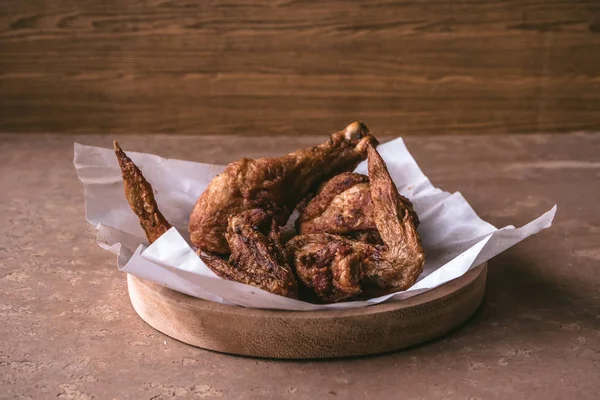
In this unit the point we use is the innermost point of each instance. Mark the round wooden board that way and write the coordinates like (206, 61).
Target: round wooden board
(309, 334)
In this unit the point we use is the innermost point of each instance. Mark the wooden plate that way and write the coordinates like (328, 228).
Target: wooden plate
(309, 334)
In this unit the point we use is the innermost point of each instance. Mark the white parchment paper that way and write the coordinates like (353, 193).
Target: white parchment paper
(455, 239)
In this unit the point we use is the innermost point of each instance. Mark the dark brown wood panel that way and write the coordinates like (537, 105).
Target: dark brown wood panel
(296, 67)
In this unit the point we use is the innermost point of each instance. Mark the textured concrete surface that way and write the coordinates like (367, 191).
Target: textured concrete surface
(68, 331)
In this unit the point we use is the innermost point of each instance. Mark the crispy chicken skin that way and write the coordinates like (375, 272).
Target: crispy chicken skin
(275, 185)
(357, 235)
(329, 266)
(398, 263)
(319, 258)
(257, 254)
(140, 196)
(343, 206)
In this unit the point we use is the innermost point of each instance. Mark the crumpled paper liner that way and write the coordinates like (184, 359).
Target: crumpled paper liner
(455, 239)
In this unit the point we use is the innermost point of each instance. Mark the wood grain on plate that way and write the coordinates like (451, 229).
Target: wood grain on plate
(309, 334)
(299, 67)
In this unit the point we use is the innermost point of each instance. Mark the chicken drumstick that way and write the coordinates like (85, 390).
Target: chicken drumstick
(275, 185)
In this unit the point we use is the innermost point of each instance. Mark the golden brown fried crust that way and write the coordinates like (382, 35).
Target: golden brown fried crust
(140, 196)
(343, 206)
(275, 185)
(328, 265)
(311, 218)
(257, 255)
(380, 253)
(403, 257)
(320, 259)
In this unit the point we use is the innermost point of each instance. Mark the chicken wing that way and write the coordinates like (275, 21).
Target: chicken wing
(400, 261)
(257, 255)
(275, 185)
(393, 266)
(140, 196)
(343, 206)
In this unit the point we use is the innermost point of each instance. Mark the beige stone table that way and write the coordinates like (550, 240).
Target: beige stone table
(68, 331)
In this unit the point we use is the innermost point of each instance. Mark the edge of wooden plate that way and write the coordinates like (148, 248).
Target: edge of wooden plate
(309, 334)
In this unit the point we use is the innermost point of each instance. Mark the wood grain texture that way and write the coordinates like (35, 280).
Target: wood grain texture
(299, 67)
(309, 334)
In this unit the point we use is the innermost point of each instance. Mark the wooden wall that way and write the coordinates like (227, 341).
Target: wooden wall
(294, 67)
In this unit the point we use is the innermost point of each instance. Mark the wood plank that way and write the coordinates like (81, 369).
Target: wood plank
(299, 67)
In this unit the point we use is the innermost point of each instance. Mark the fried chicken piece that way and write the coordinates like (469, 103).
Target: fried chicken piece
(257, 255)
(275, 185)
(393, 266)
(140, 196)
(398, 264)
(328, 265)
(343, 206)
